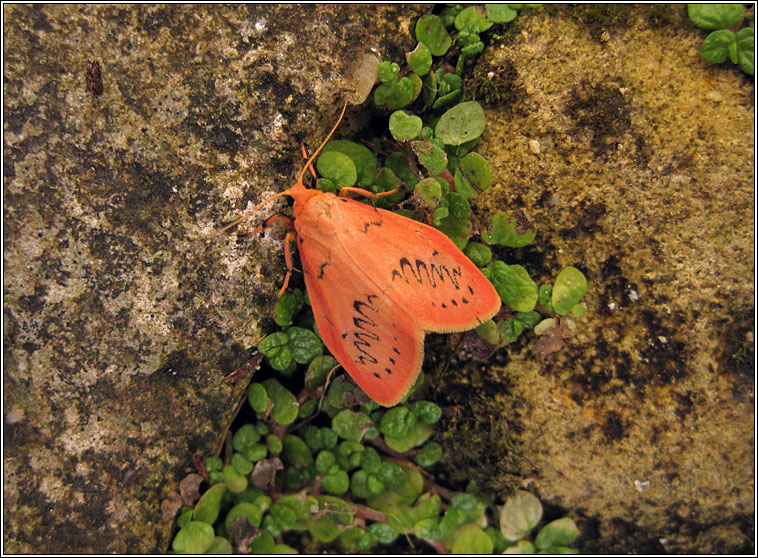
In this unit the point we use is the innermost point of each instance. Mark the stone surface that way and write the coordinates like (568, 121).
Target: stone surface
(643, 427)
(631, 155)
(122, 315)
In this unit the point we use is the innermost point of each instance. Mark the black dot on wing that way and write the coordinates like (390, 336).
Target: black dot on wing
(344, 335)
(453, 302)
(377, 375)
(388, 371)
(470, 290)
(464, 300)
(444, 305)
(392, 360)
(396, 351)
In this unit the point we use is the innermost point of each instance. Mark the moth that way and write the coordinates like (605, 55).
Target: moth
(378, 282)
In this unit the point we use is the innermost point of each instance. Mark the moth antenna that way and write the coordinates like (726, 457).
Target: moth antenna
(299, 178)
(320, 147)
(250, 213)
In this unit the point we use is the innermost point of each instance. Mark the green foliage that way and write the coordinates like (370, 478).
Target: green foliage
(570, 286)
(362, 157)
(461, 124)
(195, 538)
(285, 405)
(519, 517)
(339, 486)
(316, 462)
(338, 168)
(285, 348)
(514, 286)
(431, 32)
(209, 505)
(403, 126)
(510, 230)
(727, 39)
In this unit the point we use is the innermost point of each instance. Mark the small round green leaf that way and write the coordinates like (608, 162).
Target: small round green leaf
(256, 452)
(431, 32)
(478, 253)
(403, 126)
(561, 532)
(195, 538)
(214, 464)
(245, 437)
(383, 532)
(458, 230)
(351, 425)
(715, 16)
(515, 287)
(471, 508)
(427, 411)
(458, 205)
(356, 538)
(336, 483)
(431, 156)
(304, 343)
(500, 13)
(337, 167)
(285, 404)
(287, 306)
(546, 296)
(715, 47)
(512, 230)
(462, 123)
(521, 547)
(417, 435)
(234, 481)
(209, 505)
(745, 49)
(430, 454)
(430, 191)
(511, 330)
(220, 545)
(472, 19)
(528, 319)
(362, 157)
(489, 332)
(569, 288)
(420, 59)
(296, 452)
(520, 514)
(324, 529)
(241, 464)
(257, 397)
(472, 176)
(273, 341)
(397, 95)
(471, 539)
(397, 421)
(387, 72)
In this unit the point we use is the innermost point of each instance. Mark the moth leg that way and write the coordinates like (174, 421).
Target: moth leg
(288, 222)
(270, 221)
(344, 192)
(287, 260)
